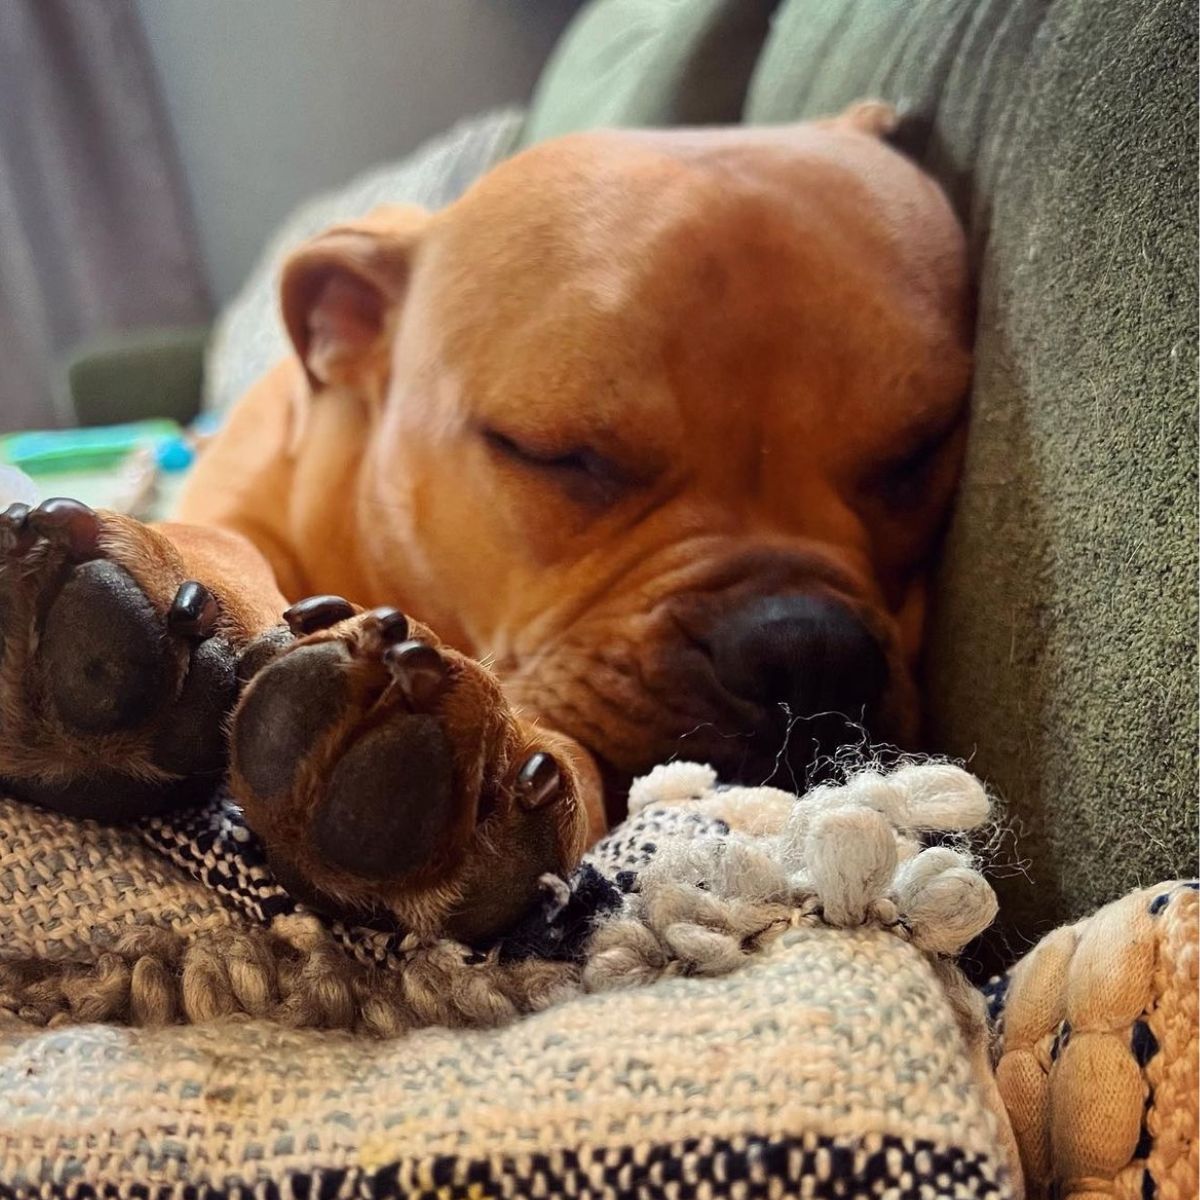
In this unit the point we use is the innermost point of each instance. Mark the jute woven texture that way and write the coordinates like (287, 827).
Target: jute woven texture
(775, 1048)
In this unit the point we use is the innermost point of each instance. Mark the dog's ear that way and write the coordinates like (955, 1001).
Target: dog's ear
(875, 117)
(342, 292)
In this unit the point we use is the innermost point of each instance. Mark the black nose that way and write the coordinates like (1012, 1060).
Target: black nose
(809, 653)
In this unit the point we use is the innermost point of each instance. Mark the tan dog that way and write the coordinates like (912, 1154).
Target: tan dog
(662, 427)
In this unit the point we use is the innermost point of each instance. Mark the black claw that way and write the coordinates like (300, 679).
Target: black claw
(15, 534)
(317, 612)
(539, 781)
(393, 625)
(419, 671)
(193, 612)
(69, 522)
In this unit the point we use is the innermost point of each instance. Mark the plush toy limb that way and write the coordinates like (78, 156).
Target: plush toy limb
(1096, 1054)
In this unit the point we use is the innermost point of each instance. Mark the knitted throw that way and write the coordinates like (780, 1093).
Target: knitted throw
(804, 1020)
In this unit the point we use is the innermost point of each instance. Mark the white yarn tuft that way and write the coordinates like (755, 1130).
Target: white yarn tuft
(942, 797)
(671, 782)
(841, 856)
(945, 902)
(850, 856)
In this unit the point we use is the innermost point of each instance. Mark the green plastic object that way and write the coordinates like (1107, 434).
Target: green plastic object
(50, 452)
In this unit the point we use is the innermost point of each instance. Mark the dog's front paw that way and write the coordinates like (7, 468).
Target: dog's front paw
(389, 779)
(115, 671)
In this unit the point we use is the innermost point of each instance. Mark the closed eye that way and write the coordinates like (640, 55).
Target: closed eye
(583, 472)
(571, 460)
(903, 481)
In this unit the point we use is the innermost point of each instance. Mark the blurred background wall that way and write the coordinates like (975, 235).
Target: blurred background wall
(148, 148)
(272, 100)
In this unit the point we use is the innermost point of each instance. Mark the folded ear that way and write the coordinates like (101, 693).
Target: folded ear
(341, 294)
(875, 117)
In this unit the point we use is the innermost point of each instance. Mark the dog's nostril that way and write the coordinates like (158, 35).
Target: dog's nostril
(806, 652)
(419, 671)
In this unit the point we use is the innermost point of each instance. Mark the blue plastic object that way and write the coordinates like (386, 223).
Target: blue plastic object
(173, 454)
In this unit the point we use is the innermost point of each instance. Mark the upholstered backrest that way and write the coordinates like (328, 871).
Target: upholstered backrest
(650, 62)
(1063, 645)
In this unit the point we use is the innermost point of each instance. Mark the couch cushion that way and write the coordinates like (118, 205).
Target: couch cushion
(1063, 653)
(649, 62)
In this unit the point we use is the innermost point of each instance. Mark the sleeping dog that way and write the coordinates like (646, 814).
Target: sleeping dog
(638, 450)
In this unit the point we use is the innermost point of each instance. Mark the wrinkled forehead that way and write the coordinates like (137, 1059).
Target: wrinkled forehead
(577, 267)
(570, 199)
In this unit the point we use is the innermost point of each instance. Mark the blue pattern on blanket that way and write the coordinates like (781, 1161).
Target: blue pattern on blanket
(213, 844)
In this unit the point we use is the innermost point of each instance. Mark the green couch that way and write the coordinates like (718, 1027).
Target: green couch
(1062, 661)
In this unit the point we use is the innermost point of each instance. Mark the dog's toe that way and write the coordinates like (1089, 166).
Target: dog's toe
(114, 688)
(539, 781)
(193, 612)
(15, 533)
(69, 524)
(419, 671)
(317, 612)
(386, 775)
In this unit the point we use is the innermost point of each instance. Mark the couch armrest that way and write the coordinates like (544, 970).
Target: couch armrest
(137, 375)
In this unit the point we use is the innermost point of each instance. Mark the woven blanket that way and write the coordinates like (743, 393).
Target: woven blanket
(738, 993)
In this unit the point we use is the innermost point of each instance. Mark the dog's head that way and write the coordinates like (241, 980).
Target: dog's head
(666, 424)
